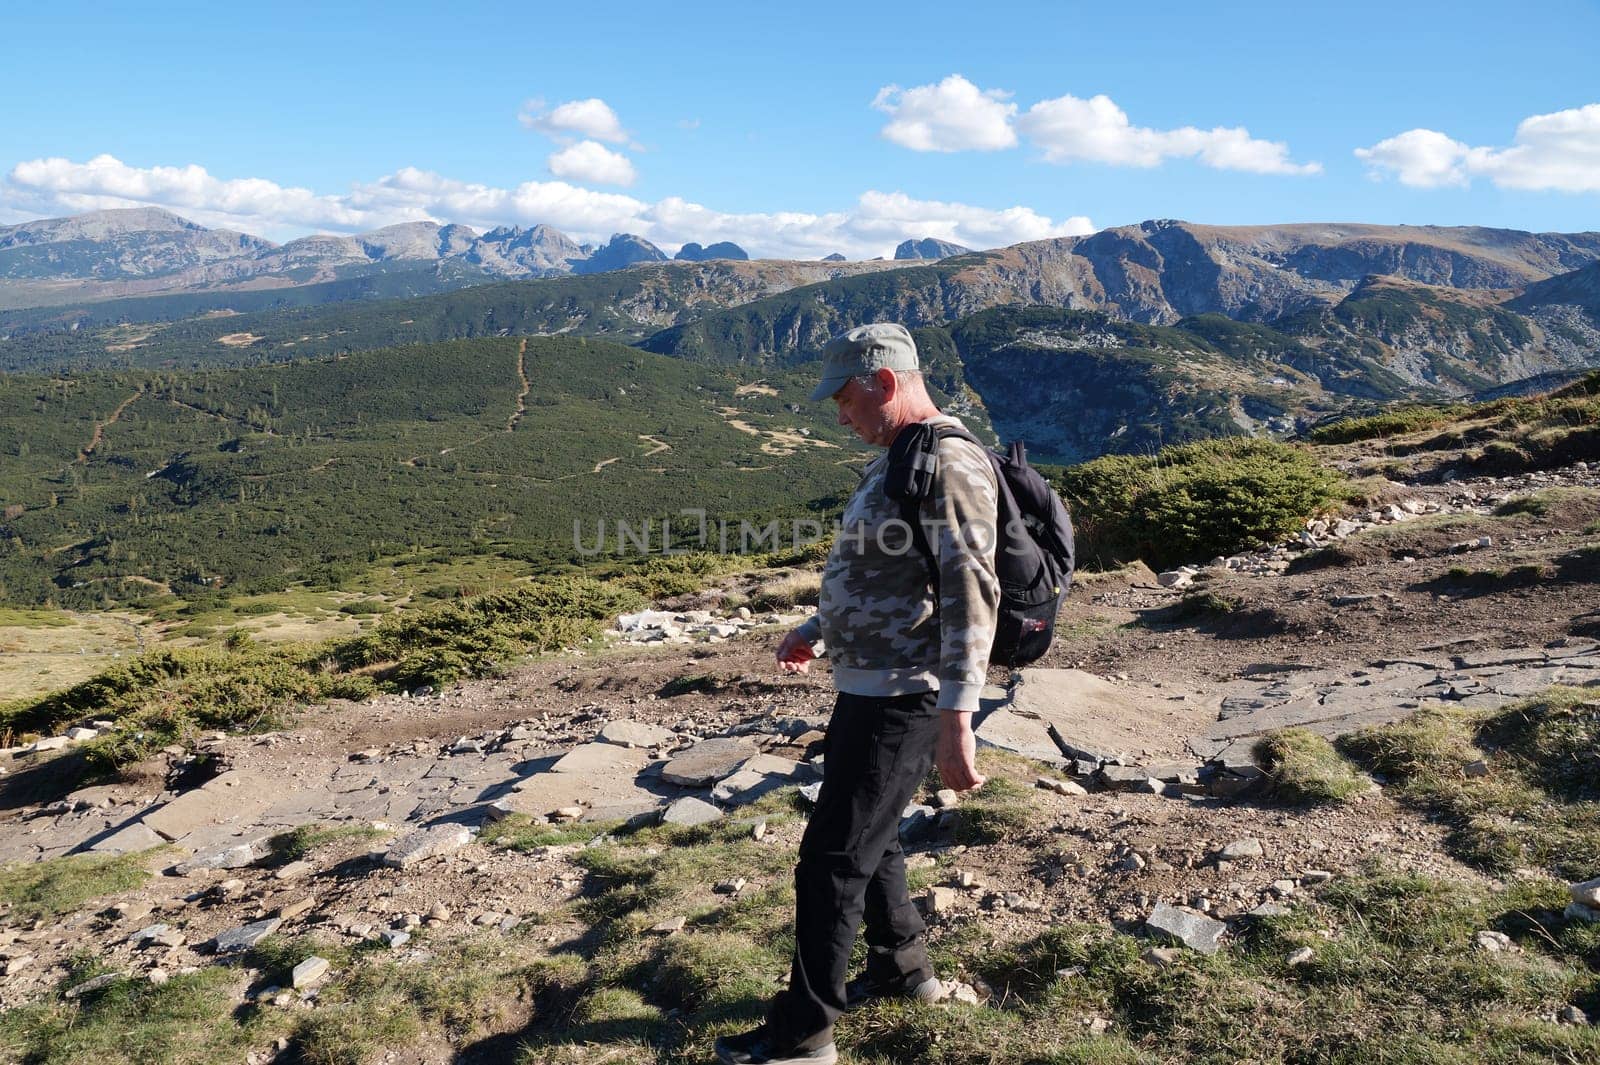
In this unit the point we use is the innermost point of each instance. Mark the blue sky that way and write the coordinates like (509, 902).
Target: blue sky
(826, 126)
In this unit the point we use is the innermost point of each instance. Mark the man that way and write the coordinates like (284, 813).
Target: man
(908, 671)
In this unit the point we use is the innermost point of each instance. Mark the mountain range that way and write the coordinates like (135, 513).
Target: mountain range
(1163, 330)
(109, 254)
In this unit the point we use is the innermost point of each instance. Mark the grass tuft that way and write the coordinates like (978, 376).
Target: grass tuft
(1303, 767)
(1537, 805)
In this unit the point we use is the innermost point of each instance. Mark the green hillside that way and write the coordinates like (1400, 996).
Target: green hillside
(593, 304)
(379, 282)
(117, 486)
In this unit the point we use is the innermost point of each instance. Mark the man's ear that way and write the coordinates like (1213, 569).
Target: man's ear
(888, 383)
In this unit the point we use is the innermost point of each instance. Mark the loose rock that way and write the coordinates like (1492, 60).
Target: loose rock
(426, 843)
(1193, 930)
(238, 940)
(1241, 848)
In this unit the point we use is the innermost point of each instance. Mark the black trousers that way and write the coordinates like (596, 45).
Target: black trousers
(851, 867)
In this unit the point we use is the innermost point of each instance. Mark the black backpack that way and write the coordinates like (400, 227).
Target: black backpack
(1034, 557)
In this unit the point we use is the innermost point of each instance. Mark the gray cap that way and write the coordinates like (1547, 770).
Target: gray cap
(864, 349)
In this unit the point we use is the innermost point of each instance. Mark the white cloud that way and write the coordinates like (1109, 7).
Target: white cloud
(872, 226)
(593, 163)
(592, 118)
(1069, 129)
(1421, 158)
(1555, 152)
(952, 116)
(106, 182)
(955, 115)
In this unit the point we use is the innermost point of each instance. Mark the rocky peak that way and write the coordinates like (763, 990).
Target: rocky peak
(928, 248)
(623, 249)
(417, 240)
(724, 249)
(539, 251)
(99, 225)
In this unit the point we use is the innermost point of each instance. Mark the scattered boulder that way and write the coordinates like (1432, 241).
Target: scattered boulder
(1193, 930)
(708, 762)
(1240, 849)
(1586, 893)
(1060, 787)
(231, 856)
(238, 940)
(689, 811)
(426, 843)
(157, 935)
(670, 927)
(1303, 956)
(309, 972)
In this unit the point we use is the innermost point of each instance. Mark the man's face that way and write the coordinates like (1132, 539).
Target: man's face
(865, 410)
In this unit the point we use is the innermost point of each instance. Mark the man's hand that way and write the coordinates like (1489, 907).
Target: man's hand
(795, 653)
(955, 751)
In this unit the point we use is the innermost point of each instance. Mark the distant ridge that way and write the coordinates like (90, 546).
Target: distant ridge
(144, 251)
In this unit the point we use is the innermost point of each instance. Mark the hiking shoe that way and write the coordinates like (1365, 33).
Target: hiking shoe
(864, 989)
(758, 1048)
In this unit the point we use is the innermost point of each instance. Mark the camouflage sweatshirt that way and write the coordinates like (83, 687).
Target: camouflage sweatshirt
(876, 613)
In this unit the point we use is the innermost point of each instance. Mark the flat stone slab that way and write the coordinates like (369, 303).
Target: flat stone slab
(238, 940)
(636, 734)
(690, 811)
(543, 794)
(1095, 718)
(601, 758)
(426, 843)
(746, 786)
(1334, 703)
(230, 799)
(228, 856)
(1192, 930)
(134, 837)
(708, 762)
(777, 766)
(630, 814)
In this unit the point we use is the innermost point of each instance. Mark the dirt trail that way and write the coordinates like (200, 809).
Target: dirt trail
(264, 430)
(511, 422)
(522, 396)
(100, 427)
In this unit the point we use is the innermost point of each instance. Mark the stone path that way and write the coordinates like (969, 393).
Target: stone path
(1333, 703)
(474, 780)
(1086, 724)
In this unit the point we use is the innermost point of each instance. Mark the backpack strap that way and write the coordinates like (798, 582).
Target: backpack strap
(910, 479)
